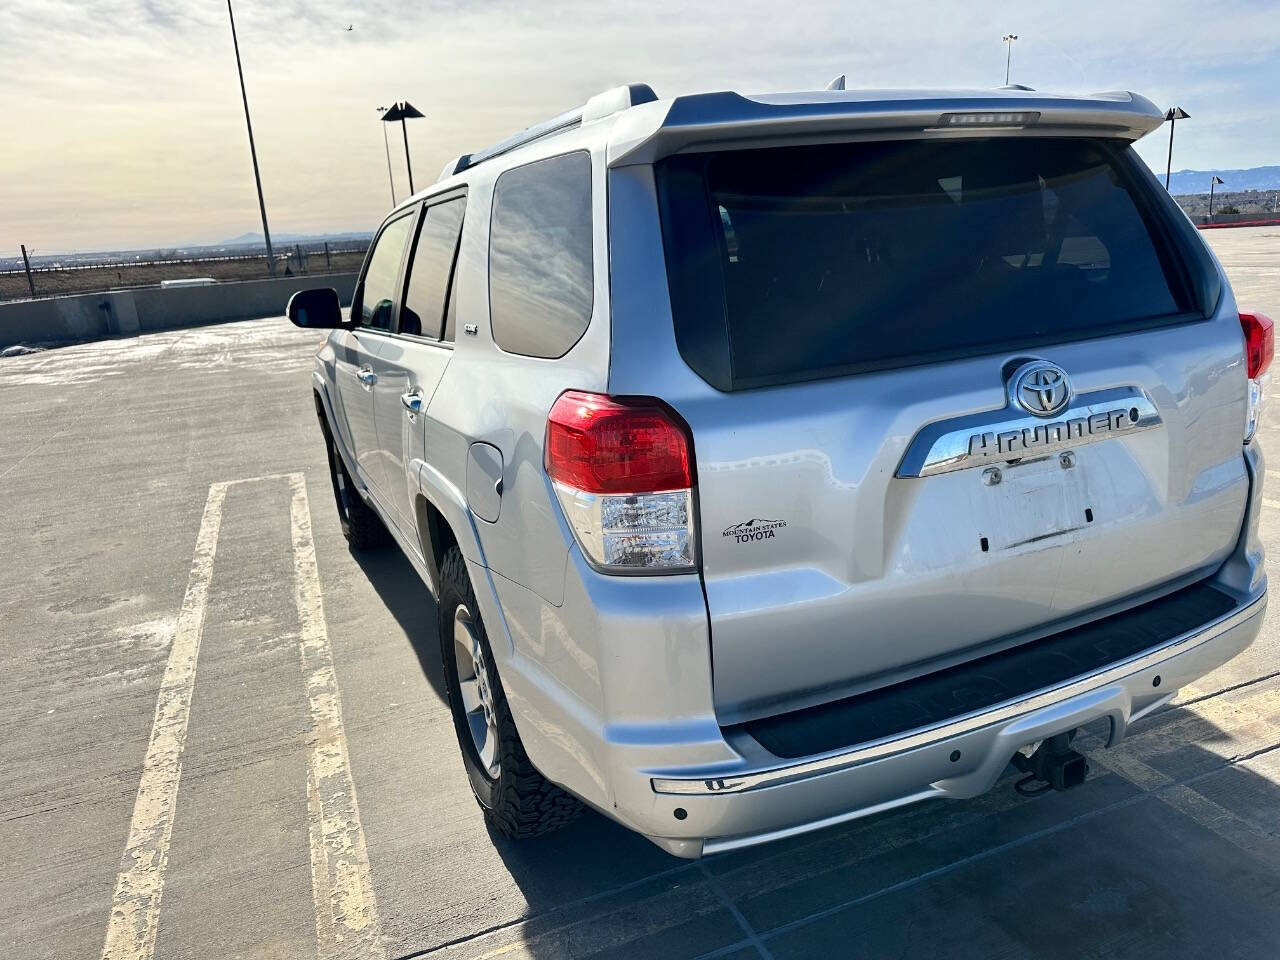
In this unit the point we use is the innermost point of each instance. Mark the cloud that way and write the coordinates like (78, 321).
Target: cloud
(124, 124)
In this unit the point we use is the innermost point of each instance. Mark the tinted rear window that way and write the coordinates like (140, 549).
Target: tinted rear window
(801, 262)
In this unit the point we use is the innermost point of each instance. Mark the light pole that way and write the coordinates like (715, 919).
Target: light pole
(253, 153)
(1213, 182)
(403, 111)
(387, 147)
(1008, 56)
(1173, 115)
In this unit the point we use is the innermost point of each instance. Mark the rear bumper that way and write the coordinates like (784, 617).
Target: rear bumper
(612, 695)
(691, 812)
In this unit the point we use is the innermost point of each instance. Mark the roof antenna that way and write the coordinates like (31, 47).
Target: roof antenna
(837, 83)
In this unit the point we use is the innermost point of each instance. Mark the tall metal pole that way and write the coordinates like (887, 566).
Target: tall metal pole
(407, 165)
(1173, 115)
(1008, 57)
(1212, 182)
(253, 152)
(26, 263)
(386, 145)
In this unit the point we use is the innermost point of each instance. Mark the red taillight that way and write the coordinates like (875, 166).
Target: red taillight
(1259, 342)
(601, 444)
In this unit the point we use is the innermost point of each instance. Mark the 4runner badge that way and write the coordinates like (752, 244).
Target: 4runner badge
(754, 529)
(1042, 419)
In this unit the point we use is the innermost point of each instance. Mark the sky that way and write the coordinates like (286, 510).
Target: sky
(124, 126)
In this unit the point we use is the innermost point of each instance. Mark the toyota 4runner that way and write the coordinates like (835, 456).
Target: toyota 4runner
(778, 460)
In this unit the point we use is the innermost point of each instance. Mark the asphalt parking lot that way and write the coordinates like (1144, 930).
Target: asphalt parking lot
(224, 735)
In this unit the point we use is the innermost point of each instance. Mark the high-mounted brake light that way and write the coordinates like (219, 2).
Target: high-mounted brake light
(623, 473)
(1259, 349)
(997, 118)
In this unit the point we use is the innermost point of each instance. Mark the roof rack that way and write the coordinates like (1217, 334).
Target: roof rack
(599, 106)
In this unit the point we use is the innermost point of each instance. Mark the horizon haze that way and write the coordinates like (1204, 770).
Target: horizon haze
(130, 130)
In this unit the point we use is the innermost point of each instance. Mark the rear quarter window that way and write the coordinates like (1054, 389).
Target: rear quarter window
(541, 278)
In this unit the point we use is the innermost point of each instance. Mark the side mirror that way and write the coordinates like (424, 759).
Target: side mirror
(317, 308)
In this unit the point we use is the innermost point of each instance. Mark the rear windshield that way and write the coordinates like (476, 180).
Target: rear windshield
(801, 262)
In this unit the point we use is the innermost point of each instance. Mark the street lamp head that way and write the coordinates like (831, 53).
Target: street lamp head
(402, 110)
(1176, 113)
(1009, 36)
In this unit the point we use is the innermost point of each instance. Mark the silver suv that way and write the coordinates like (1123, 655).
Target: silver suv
(778, 460)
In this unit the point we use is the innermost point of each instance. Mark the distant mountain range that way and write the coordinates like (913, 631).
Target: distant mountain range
(1197, 181)
(246, 239)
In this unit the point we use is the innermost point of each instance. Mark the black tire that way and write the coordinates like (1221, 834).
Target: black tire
(518, 802)
(362, 527)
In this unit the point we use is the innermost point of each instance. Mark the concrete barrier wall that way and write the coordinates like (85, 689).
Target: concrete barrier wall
(96, 316)
(1237, 220)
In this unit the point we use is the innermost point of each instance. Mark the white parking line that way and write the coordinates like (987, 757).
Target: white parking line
(347, 922)
(135, 907)
(1235, 716)
(1209, 814)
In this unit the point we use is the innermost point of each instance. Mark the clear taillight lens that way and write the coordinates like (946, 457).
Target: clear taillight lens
(622, 471)
(1259, 350)
(632, 531)
(1253, 409)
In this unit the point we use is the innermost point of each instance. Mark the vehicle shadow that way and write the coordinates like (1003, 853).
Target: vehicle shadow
(1168, 849)
(411, 603)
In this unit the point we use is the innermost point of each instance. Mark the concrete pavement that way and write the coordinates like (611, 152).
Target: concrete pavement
(302, 782)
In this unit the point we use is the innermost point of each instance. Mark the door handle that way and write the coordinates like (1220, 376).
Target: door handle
(412, 401)
(366, 376)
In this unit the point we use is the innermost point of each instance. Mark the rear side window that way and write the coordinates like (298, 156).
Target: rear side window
(796, 263)
(379, 291)
(541, 285)
(431, 268)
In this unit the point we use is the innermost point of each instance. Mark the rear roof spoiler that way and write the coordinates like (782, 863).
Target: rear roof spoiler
(647, 128)
(649, 132)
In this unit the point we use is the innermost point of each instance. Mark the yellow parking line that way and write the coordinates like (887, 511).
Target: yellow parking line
(347, 922)
(135, 906)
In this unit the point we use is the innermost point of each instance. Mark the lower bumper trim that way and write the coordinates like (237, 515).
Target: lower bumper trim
(729, 783)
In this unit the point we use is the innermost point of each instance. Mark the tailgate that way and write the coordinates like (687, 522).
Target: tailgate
(828, 571)
(965, 391)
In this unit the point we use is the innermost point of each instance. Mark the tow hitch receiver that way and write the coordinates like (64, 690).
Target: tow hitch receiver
(1054, 763)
